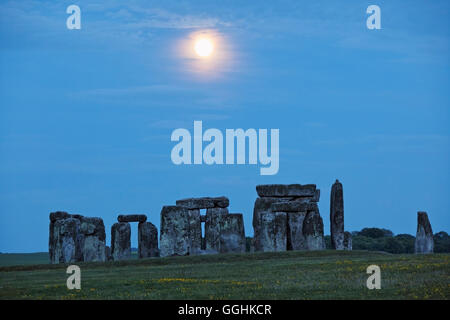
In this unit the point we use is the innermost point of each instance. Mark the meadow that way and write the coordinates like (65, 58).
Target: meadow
(284, 275)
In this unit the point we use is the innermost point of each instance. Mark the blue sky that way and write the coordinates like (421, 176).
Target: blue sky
(86, 115)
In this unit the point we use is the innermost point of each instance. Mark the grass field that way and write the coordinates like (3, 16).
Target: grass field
(283, 275)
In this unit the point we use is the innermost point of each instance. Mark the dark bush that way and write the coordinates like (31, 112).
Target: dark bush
(441, 242)
(375, 233)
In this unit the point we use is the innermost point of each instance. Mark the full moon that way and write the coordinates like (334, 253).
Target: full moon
(204, 47)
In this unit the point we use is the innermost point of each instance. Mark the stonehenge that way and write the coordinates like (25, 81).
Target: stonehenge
(232, 234)
(286, 217)
(147, 240)
(93, 239)
(337, 216)
(340, 240)
(181, 228)
(175, 234)
(75, 238)
(424, 236)
(121, 241)
(121, 237)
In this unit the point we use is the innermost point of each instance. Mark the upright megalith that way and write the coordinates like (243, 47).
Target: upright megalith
(65, 240)
(348, 244)
(296, 239)
(297, 205)
(147, 240)
(214, 217)
(232, 233)
(174, 231)
(337, 216)
(424, 236)
(93, 240)
(195, 231)
(51, 233)
(121, 241)
(313, 230)
(273, 235)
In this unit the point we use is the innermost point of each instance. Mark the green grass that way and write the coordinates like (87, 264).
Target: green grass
(284, 275)
(13, 259)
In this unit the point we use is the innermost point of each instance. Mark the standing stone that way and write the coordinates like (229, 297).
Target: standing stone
(424, 236)
(232, 234)
(147, 240)
(337, 216)
(54, 216)
(212, 228)
(195, 231)
(121, 241)
(295, 237)
(273, 235)
(65, 241)
(262, 205)
(313, 231)
(174, 236)
(348, 241)
(93, 239)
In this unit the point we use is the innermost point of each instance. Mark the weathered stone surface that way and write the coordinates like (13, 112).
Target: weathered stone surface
(316, 197)
(293, 206)
(195, 231)
(147, 240)
(295, 238)
(313, 231)
(108, 253)
(337, 216)
(93, 226)
(204, 203)
(65, 241)
(212, 227)
(286, 190)
(232, 234)
(174, 233)
(58, 215)
(121, 241)
(93, 239)
(348, 244)
(132, 218)
(273, 235)
(424, 236)
(262, 205)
